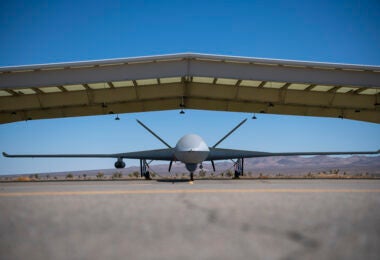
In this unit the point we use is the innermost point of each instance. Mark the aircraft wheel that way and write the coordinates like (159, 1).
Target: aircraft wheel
(147, 175)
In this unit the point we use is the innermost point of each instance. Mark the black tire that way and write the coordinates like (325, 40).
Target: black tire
(147, 175)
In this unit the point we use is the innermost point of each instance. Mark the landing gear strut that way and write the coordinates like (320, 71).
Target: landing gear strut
(144, 172)
(239, 168)
(191, 176)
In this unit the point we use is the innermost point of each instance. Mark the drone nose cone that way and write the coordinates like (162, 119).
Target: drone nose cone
(191, 149)
(191, 142)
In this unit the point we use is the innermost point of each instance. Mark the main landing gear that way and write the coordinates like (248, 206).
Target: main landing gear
(147, 175)
(239, 168)
(191, 176)
(144, 169)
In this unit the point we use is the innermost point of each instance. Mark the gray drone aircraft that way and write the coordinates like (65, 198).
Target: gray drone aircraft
(191, 150)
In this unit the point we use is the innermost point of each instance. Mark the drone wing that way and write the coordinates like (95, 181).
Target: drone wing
(224, 154)
(160, 154)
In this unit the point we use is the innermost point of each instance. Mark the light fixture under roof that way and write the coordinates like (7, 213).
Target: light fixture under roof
(182, 106)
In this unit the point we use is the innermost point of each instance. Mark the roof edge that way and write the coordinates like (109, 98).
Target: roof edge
(190, 55)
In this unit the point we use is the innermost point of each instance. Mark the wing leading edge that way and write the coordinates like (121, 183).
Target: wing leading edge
(168, 154)
(224, 154)
(160, 154)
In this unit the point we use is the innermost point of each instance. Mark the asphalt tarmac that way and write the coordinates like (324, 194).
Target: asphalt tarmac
(224, 219)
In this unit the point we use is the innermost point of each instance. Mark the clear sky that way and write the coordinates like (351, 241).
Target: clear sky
(38, 32)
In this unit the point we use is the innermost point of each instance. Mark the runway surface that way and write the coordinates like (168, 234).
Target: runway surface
(221, 219)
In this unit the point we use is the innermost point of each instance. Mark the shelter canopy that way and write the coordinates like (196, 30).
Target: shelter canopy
(192, 81)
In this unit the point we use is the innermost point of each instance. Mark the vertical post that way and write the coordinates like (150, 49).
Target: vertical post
(242, 166)
(144, 166)
(141, 168)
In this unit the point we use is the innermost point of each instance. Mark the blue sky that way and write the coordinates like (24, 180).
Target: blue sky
(38, 32)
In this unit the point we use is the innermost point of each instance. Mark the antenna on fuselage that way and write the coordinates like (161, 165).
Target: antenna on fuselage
(153, 133)
(229, 133)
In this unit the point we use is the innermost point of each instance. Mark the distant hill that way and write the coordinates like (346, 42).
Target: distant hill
(302, 165)
(294, 165)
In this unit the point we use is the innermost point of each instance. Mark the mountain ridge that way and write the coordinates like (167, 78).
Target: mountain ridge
(286, 165)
